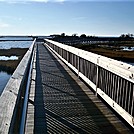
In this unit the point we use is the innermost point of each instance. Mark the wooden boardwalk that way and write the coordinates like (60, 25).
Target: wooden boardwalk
(59, 102)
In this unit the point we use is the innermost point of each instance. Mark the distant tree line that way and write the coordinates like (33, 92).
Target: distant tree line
(75, 39)
(127, 35)
(87, 36)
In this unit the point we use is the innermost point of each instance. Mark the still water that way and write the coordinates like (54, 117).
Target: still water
(127, 48)
(131, 63)
(5, 38)
(8, 58)
(14, 44)
(4, 76)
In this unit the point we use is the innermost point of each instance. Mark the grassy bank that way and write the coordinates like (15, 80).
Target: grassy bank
(114, 52)
(13, 52)
(10, 65)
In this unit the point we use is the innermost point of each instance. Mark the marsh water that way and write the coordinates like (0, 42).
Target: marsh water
(14, 44)
(8, 58)
(4, 76)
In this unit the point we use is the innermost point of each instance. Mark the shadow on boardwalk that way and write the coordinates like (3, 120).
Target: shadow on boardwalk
(61, 106)
(40, 116)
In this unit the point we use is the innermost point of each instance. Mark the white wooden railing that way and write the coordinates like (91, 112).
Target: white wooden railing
(111, 79)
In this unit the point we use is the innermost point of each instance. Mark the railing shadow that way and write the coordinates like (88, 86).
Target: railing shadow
(62, 112)
(39, 111)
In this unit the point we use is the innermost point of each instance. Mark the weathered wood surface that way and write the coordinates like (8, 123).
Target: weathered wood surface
(10, 96)
(59, 102)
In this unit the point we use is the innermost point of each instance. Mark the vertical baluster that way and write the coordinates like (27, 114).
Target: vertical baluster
(123, 94)
(108, 83)
(97, 76)
(120, 92)
(126, 93)
(105, 81)
(67, 56)
(110, 86)
(132, 108)
(78, 65)
(129, 95)
(117, 93)
(113, 86)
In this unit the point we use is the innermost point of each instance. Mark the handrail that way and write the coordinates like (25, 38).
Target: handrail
(23, 117)
(12, 94)
(110, 79)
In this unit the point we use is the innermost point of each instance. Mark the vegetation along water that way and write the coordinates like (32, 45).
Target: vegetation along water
(11, 53)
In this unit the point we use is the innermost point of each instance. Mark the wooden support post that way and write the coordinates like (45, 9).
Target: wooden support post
(67, 56)
(97, 75)
(78, 65)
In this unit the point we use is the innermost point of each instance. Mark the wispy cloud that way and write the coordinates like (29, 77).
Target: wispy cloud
(11, 18)
(27, 1)
(4, 25)
(79, 18)
(60, 1)
(9, 21)
(46, 1)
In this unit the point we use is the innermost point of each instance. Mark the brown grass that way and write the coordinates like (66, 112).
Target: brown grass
(115, 53)
(10, 65)
(13, 52)
(127, 56)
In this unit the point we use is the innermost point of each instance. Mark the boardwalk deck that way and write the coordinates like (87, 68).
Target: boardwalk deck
(59, 102)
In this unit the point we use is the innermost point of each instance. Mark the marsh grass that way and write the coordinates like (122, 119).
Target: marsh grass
(10, 65)
(112, 52)
(13, 52)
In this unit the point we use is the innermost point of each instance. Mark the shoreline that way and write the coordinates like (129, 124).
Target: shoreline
(114, 53)
(10, 65)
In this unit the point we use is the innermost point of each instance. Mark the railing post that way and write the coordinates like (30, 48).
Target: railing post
(78, 65)
(67, 56)
(132, 107)
(97, 75)
(117, 99)
(53, 47)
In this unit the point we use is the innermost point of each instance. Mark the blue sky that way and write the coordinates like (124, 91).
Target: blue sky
(45, 17)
